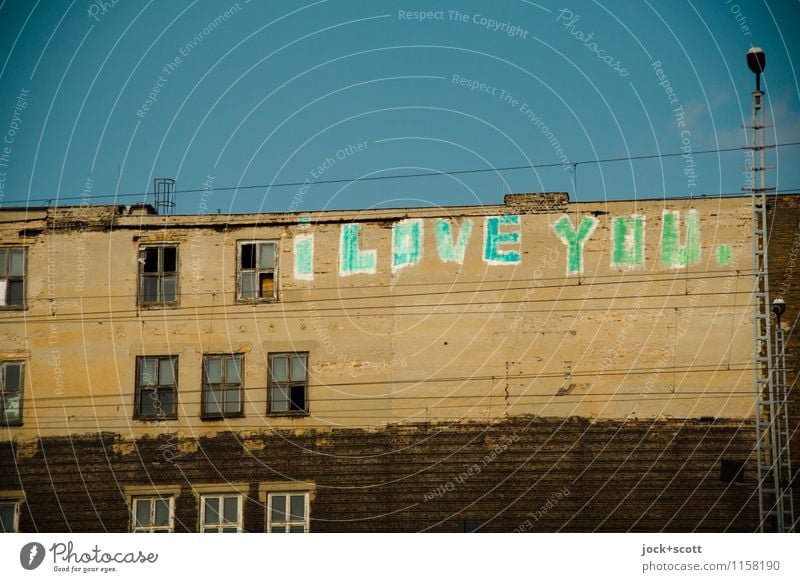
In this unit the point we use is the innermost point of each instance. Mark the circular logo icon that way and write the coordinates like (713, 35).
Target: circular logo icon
(31, 555)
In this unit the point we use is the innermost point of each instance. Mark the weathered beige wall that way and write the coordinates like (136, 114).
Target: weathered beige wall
(433, 341)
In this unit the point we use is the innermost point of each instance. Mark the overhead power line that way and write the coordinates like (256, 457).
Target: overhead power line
(297, 183)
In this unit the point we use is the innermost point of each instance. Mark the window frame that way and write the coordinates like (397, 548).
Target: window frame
(169, 528)
(221, 496)
(3, 420)
(257, 270)
(271, 383)
(224, 386)
(159, 274)
(24, 277)
(16, 502)
(137, 415)
(306, 522)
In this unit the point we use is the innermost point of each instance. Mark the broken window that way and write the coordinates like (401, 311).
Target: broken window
(153, 514)
(257, 271)
(222, 386)
(12, 276)
(9, 516)
(158, 275)
(287, 513)
(11, 378)
(221, 513)
(288, 383)
(157, 387)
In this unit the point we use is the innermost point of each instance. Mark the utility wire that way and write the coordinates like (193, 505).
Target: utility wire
(711, 369)
(415, 175)
(391, 307)
(667, 278)
(311, 313)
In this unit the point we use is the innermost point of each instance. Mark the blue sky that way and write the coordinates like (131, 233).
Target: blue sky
(101, 97)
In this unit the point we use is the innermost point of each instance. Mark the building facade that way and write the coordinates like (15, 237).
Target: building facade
(540, 365)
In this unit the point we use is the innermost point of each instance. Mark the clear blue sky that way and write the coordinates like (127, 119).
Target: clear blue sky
(268, 91)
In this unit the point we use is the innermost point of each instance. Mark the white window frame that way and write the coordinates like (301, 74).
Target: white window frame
(221, 496)
(306, 522)
(17, 503)
(257, 270)
(170, 527)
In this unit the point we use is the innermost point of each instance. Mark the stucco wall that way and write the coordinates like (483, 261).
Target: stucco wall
(431, 341)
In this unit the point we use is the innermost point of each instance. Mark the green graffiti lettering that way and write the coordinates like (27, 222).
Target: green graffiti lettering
(304, 257)
(673, 254)
(724, 255)
(574, 240)
(449, 250)
(406, 243)
(628, 241)
(492, 238)
(352, 260)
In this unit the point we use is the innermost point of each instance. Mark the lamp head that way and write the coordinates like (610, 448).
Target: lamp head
(778, 307)
(756, 60)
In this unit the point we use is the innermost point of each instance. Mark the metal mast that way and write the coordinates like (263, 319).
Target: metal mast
(782, 429)
(772, 437)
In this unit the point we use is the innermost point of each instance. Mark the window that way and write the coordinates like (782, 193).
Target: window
(257, 271)
(731, 471)
(221, 513)
(158, 275)
(287, 513)
(153, 514)
(9, 516)
(12, 277)
(222, 386)
(288, 383)
(156, 387)
(11, 392)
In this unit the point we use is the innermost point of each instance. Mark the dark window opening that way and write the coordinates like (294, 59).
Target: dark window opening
(249, 256)
(8, 516)
(257, 271)
(158, 275)
(470, 526)
(731, 471)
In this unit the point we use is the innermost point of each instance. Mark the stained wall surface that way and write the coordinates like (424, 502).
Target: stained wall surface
(539, 306)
